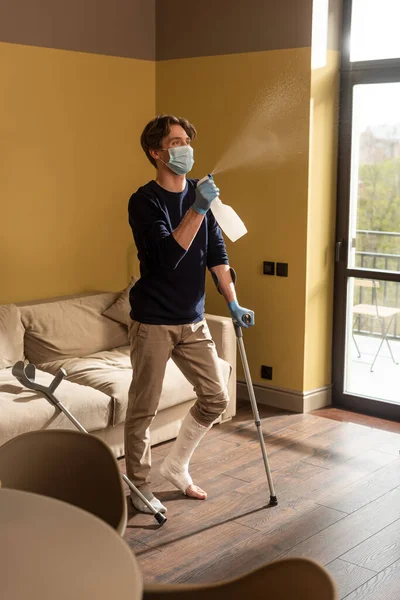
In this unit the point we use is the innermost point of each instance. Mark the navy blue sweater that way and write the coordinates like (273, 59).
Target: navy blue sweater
(171, 287)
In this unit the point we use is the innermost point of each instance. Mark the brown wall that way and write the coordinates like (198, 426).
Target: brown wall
(114, 27)
(212, 27)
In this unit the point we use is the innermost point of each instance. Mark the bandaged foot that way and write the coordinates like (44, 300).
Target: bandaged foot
(141, 506)
(175, 467)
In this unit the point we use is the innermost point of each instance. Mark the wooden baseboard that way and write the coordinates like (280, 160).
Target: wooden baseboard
(293, 400)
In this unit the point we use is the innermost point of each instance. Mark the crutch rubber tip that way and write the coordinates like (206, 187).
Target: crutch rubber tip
(160, 518)
(273, 501)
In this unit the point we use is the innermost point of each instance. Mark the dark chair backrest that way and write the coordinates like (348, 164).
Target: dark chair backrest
(70, 466)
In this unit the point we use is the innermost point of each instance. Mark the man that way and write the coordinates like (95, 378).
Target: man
(177, 238)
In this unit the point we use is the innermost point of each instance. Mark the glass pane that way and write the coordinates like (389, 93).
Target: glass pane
(373, 339)
(375, 29)
(374, 236)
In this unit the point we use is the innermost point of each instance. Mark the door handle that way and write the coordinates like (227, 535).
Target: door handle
(338, 249)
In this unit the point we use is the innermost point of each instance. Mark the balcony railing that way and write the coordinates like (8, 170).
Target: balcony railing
(389, 292)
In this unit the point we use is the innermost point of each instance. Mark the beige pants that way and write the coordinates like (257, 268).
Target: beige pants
(193, 351)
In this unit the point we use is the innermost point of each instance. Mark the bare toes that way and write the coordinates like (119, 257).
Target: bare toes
(194, 491)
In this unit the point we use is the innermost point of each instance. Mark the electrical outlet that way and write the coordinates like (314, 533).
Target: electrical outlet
(268, 268)
(282, 269)
(266, 372)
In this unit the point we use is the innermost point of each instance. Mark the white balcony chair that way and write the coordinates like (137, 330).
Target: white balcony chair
(384, 314)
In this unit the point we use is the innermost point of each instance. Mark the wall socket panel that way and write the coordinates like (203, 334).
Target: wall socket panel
(268, 268)
(282, 269)
(266, 372)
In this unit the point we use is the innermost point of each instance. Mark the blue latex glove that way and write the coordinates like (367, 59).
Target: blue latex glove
(205, 194)
(237, 313)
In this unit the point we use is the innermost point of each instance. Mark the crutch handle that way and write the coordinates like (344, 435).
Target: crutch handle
(246, 319)
(238, 330)
(61, 373)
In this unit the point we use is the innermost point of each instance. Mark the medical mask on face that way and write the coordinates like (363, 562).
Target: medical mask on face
(180, 159)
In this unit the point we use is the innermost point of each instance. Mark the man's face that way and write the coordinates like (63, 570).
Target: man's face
(176, 137)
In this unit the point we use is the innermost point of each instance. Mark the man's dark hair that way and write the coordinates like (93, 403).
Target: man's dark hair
(158, 128)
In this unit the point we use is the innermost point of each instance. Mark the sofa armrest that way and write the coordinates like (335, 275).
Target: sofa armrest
(224, 337)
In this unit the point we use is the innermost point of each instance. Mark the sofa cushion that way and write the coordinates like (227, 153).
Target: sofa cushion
(70, 328)
(11, 336)
(120, 309)
(111, 372)
(25, 410)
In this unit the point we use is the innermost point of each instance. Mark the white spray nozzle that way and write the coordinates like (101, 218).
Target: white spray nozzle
(203, 179)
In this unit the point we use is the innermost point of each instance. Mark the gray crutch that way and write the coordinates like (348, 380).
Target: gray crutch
(273, 501)
(26, 376)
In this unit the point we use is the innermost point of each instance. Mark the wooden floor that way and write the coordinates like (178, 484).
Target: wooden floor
(338, 487)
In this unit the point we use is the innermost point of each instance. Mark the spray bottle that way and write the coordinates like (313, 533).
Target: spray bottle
(229, 221)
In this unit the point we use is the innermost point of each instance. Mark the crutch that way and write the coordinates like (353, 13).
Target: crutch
(273, 501)
(26, 376)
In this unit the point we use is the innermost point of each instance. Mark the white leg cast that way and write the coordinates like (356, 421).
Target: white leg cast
(175, 467)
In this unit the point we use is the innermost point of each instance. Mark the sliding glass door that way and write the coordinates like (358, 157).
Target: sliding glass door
(367, 287)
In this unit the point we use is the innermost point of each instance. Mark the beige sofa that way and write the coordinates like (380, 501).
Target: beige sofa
(87, 335)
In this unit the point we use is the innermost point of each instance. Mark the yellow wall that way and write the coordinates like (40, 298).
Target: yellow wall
(69, 160)
(70, 157)
(321, 223)
(219, 94)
